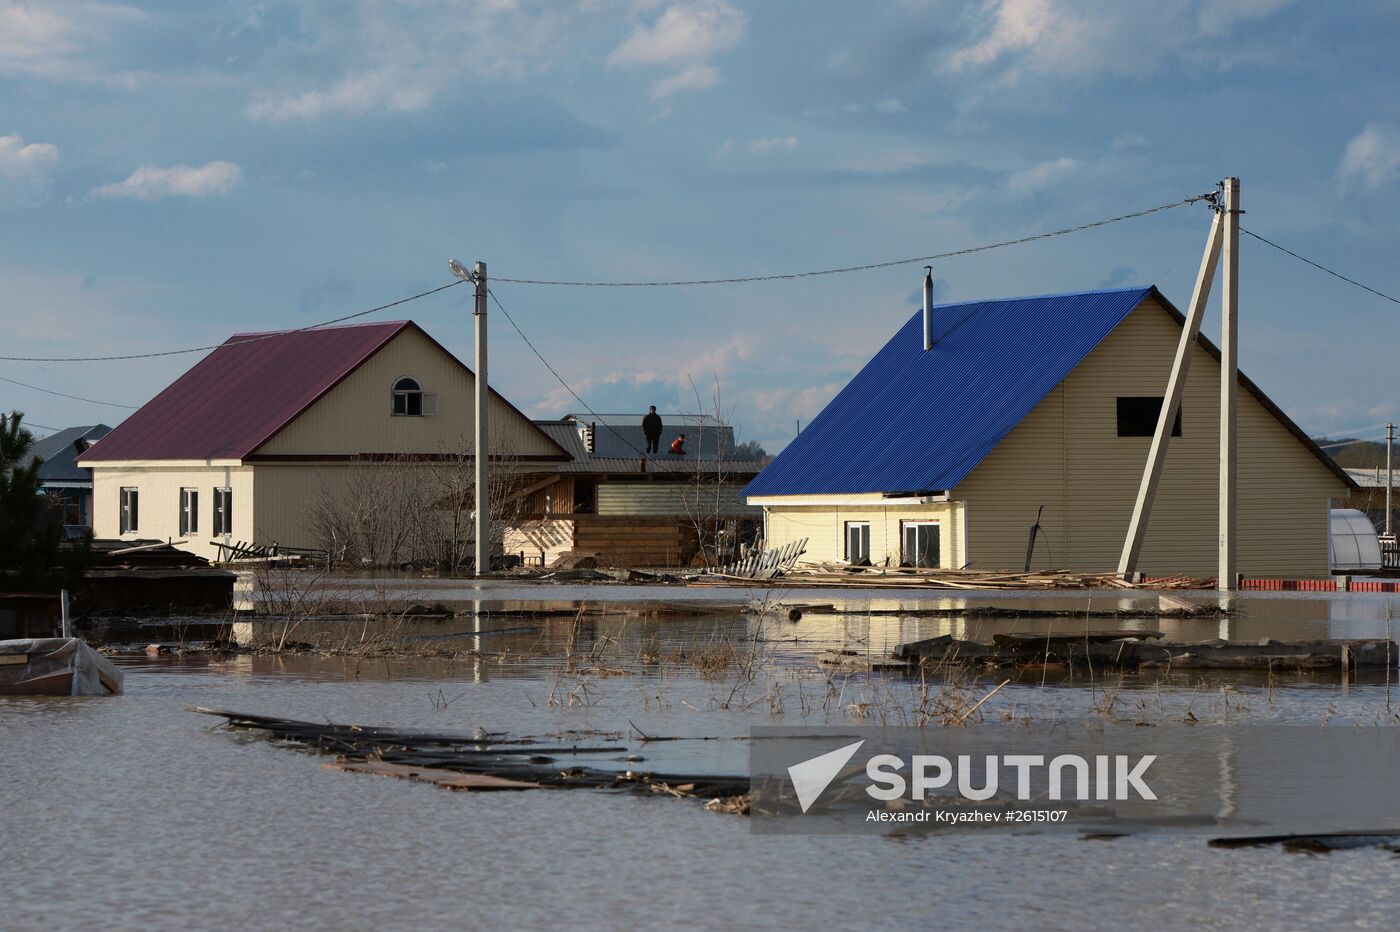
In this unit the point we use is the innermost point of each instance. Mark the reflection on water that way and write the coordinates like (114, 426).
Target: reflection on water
(132, 812)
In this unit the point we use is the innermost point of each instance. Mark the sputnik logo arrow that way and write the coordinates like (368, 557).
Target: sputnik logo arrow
(811, 777)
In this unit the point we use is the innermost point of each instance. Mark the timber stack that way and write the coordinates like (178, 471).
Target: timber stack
(840, 575)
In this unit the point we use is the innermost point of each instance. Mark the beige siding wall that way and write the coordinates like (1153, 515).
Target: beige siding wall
(159, 502)
(1068, 457)
(824, 526)
(354, 417)
(671, 498)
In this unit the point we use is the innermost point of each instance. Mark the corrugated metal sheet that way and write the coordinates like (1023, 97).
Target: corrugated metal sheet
(608, 459)
(58, 456)
(916, 421)
(240, 395)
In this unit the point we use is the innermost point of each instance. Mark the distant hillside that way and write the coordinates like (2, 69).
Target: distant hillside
(1363, 455)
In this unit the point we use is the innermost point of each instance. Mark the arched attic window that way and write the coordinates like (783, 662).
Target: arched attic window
(408, 398)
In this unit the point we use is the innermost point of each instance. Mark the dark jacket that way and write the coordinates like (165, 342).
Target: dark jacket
(652, 426)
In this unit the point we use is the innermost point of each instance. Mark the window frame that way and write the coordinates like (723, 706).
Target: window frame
(905, 526)
(222, 511)
(849, 526)
(412, 398)
(189, 511)
(129, 509)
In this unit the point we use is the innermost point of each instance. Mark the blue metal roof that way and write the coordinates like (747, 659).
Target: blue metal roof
(920, 421)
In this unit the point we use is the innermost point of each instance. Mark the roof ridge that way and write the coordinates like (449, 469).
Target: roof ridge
(291, 330)
(1043, 297)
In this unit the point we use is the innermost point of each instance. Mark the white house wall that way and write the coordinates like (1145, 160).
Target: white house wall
(158, 503)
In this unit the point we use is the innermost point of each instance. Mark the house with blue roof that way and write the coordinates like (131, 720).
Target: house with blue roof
(60, 476)
(1044, 408)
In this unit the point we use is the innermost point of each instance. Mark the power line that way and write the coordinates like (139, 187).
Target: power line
(860, 268)
(1347, 443)
(1355, 431)
(253, 339)
(1351, 281)
(49, 391)
(567, 387)
(40, 426)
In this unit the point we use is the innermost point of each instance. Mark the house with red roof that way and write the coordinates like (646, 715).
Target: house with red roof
(242, 446)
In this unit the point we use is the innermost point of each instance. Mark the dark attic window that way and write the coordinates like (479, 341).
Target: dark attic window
(1137, 416)
(408, 398)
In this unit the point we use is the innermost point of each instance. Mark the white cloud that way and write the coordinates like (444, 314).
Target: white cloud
(21, 161)
(1372, 157)
(693, 78)
(149, 183)
(1129, 141)
(385, 89)
(58, 41)
(1016, 39)
(685, 32)
(1040, 175)
(888, 106)
(764, 145)
(686, 35)
(399, 55)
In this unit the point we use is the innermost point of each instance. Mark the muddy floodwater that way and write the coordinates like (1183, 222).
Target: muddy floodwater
(134, 812)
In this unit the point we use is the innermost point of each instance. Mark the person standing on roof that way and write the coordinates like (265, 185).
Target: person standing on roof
(678, 446)
(652, 427)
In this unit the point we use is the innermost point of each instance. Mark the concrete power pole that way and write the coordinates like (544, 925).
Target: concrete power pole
(1229, 379)
(1389, 473)
(481, 445)
(481, 442)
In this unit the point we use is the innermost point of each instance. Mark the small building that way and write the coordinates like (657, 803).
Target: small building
(614, 503)
(60, 476)
(274, 437)
(1043, 409)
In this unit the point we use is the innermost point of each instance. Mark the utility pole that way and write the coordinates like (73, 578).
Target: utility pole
(1229, 379)
(481, 443)
(1389, 473)
(1171, 402)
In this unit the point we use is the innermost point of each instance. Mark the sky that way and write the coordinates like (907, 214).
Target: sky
(174, 172)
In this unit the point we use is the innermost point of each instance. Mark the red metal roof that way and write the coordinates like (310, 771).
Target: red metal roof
(236, 398)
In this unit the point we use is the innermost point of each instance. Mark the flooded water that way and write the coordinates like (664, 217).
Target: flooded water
(134, 812)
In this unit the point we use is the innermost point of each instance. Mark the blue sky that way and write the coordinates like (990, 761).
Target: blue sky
(172, 172)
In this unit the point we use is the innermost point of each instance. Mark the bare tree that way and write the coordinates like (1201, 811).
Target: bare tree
(414, 510)
(711, 495)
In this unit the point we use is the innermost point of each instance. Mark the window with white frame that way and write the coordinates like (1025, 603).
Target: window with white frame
(858, 542)
(189, 511)
(921, 544)
(223, 511)
(130, 514)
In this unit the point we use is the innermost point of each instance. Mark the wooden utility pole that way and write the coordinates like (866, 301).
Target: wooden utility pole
(1171, 403)
(1228, 576)
(481, 444)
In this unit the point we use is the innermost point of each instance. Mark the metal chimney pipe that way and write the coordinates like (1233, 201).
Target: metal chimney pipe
(928, 307)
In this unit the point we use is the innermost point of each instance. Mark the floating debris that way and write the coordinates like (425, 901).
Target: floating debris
(1316, 843)
(1141, 650)
(485, 761)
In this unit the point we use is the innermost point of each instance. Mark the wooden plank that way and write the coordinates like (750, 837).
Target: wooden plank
(448, 779)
